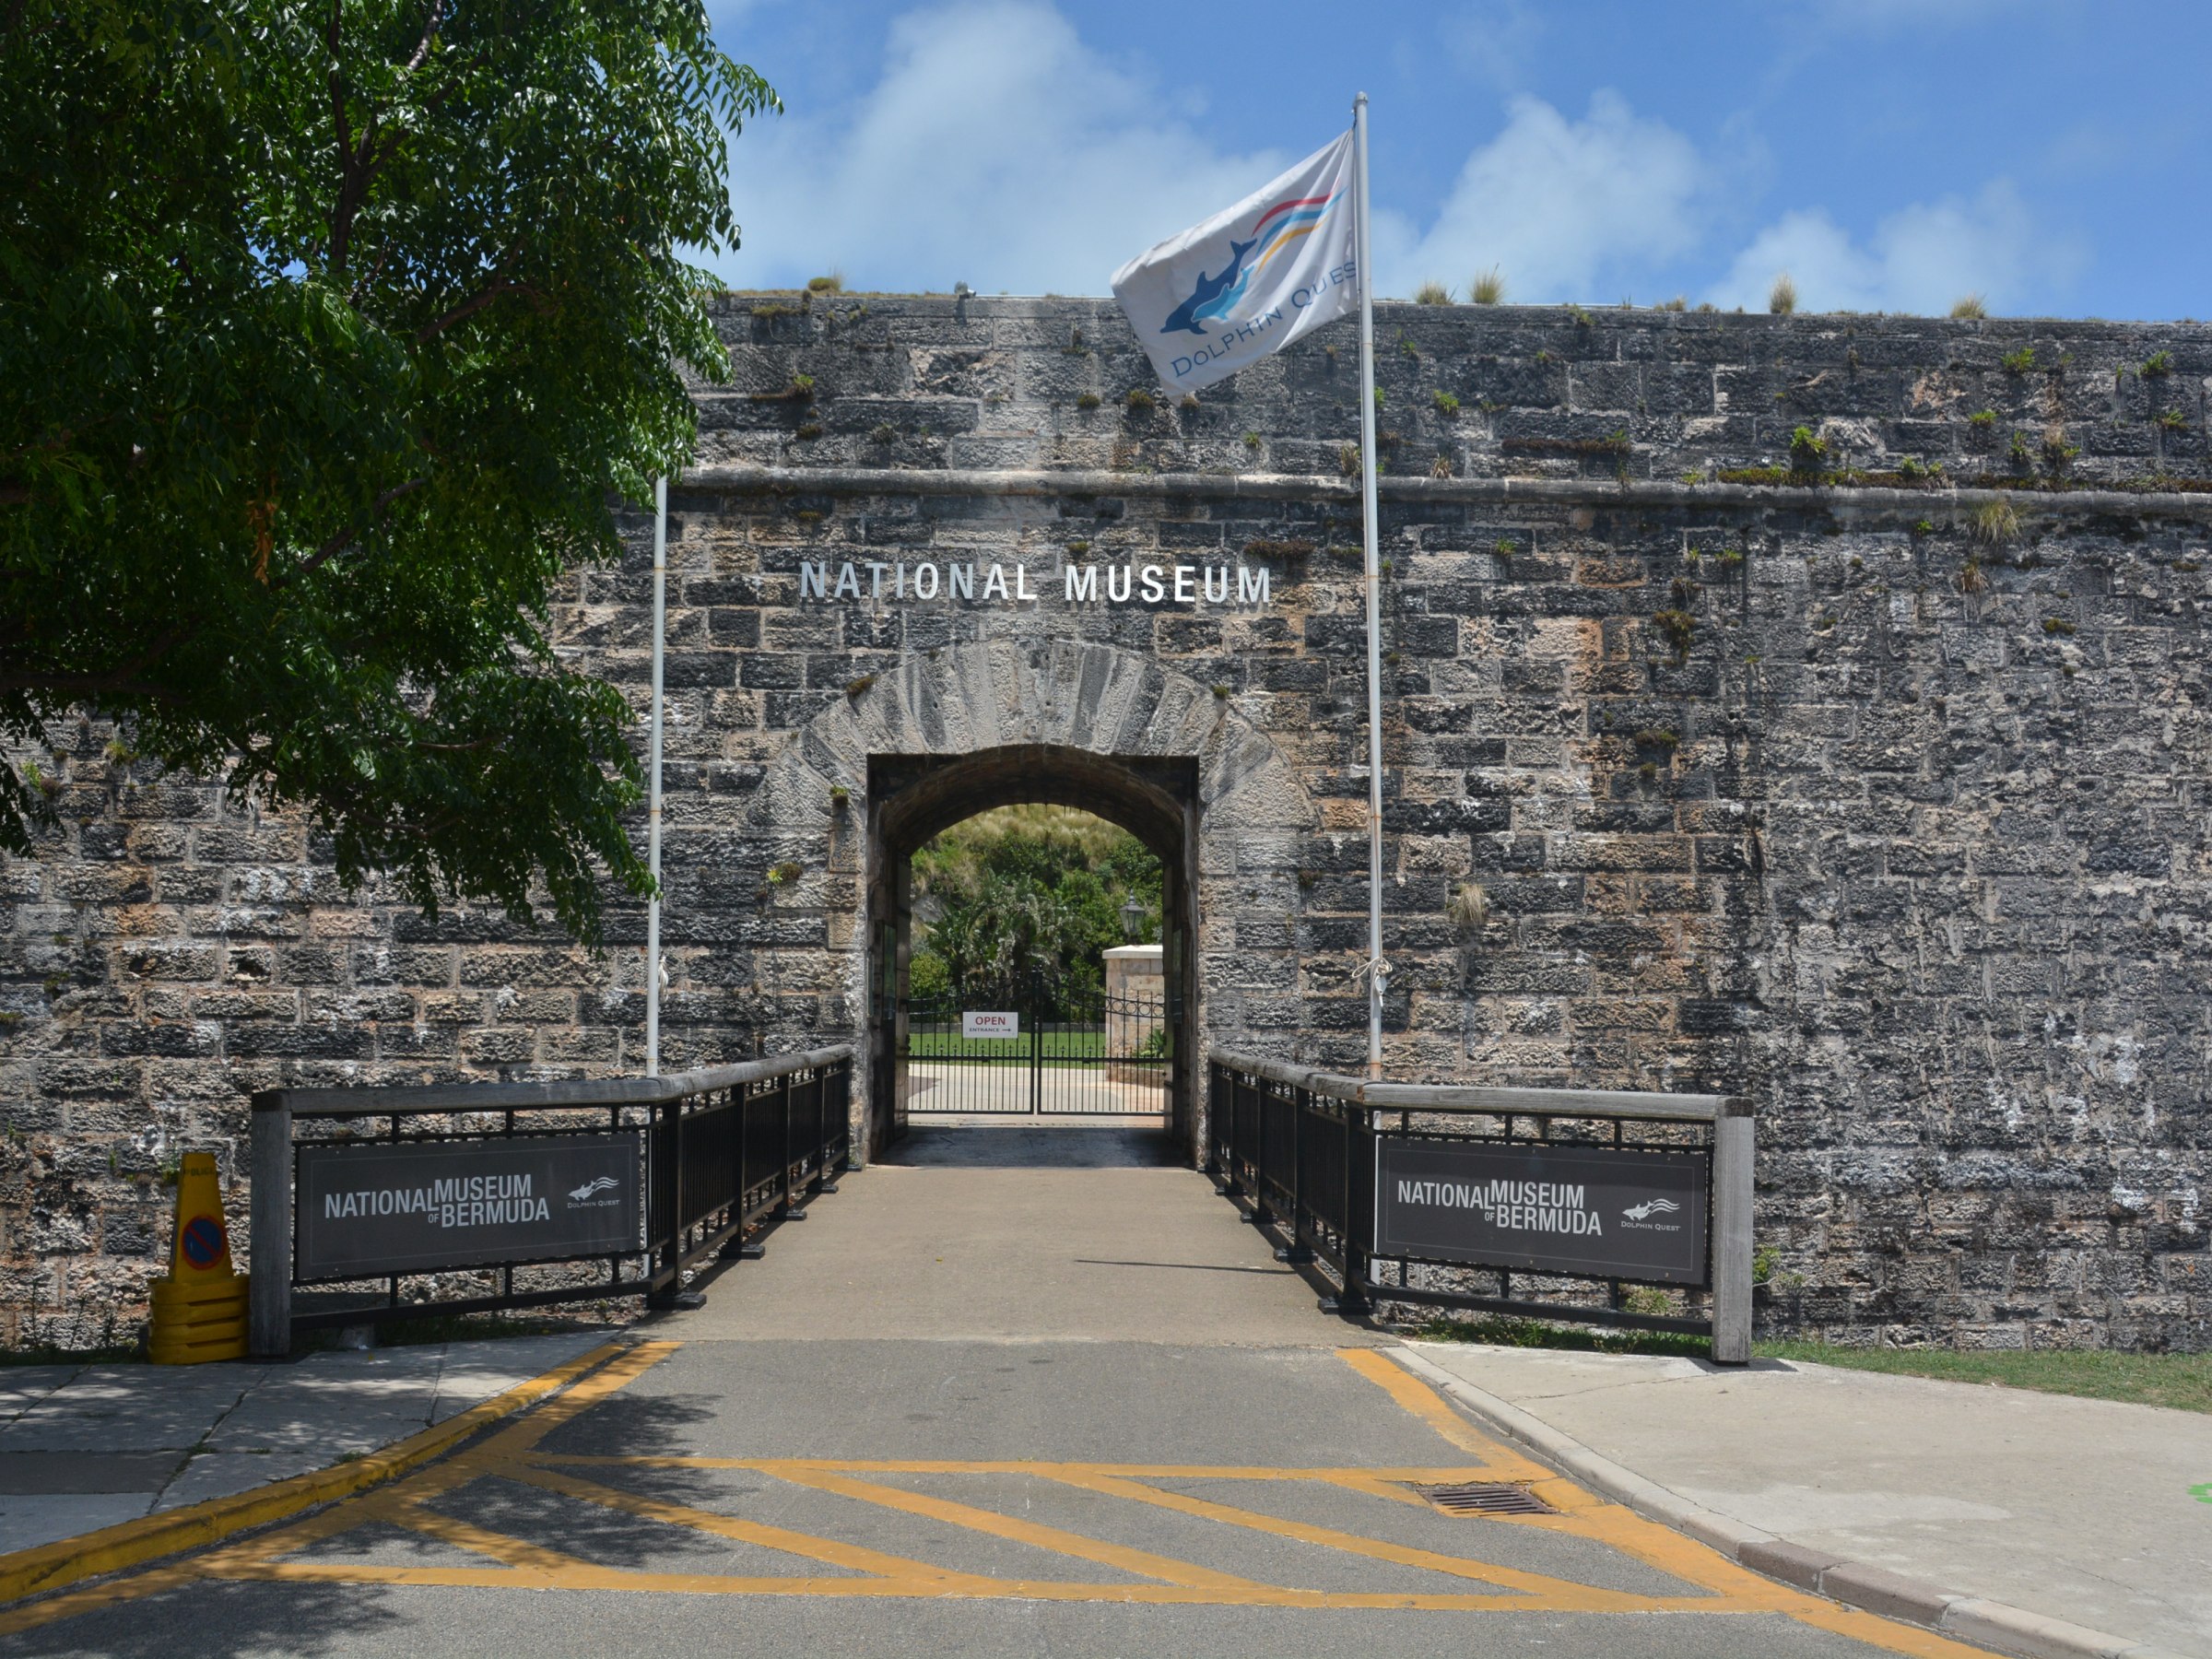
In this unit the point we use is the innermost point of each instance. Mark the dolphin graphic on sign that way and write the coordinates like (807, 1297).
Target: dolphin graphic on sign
(1212, 295)
(605, 1184)
(1651, 1206)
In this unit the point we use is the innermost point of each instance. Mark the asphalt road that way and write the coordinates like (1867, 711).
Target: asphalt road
(975, 1495)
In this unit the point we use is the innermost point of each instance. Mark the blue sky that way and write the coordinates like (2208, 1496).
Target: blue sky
(1891, 155)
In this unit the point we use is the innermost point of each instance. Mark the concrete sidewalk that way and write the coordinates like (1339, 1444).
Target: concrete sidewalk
(84, 1447)
(2080, 1511)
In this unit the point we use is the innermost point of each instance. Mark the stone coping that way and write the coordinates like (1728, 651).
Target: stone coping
(1861, 500)
(496, 1097)
(1449, 1096)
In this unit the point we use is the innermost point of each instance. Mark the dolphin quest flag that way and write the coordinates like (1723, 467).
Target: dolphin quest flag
(1248, 281)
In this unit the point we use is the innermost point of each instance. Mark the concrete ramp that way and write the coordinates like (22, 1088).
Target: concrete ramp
(1018, 1233)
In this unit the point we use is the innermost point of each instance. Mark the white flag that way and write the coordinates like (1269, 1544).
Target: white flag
(1249, 281)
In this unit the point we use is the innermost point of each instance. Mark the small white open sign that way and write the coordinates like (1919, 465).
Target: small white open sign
(974, 1024)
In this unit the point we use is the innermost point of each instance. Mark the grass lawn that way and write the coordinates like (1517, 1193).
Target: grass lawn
(2182, 1382)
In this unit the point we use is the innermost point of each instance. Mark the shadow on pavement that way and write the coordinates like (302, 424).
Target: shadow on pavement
(1033, 1146)
(219, 1616)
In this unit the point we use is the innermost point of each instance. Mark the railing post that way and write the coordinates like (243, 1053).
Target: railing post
(793, 1209)
(739, 1248)
(1352, 1298)
(664, 1205)
(1732, 1152)
(269, 1235)
(1261, 1215)
(1231, 1183)
(1297, 1251)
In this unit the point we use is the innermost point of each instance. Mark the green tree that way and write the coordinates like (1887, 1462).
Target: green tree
(1028, 898)
(330, 335)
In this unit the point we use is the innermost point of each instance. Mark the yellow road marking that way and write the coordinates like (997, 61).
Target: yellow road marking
(497, 1546)
(615, 1578)
(1418, 1399)
(828, 1551)
(1423, 1474)
(1033, 1533)
(514, 1453)
(1510, 1581)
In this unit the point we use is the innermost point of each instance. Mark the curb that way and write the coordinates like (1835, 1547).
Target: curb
(1991, 1624)
(130, 1543)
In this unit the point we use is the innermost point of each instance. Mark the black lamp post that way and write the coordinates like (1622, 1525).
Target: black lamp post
(1132, 919)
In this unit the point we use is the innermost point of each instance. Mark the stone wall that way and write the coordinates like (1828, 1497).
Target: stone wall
(1865, 774)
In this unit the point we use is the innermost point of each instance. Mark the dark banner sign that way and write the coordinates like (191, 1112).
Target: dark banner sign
(1607, 1211)
(368, 1209)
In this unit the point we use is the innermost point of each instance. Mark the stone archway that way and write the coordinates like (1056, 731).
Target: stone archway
(1088, 722)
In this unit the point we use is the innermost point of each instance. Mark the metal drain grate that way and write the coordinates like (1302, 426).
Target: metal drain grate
(1486, 1498)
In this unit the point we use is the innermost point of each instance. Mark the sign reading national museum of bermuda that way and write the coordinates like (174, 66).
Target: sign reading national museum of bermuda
(899, 581)
(1607, 1212)
(364, 1210)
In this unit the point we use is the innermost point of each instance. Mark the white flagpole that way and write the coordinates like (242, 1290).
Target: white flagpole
(1378, 970)
(653, 806)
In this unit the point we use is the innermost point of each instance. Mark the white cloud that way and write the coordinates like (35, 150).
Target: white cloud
(997, 149)
(1562, 207)
(1493, 39)
(1919, 259)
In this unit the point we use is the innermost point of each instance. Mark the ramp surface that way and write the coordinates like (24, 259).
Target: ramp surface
(1004, 1233)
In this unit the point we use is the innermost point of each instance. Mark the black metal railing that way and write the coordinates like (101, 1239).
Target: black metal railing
(1299, 1148)
(704, 1160)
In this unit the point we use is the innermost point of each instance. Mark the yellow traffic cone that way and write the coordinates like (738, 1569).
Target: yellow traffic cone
(200, 1305)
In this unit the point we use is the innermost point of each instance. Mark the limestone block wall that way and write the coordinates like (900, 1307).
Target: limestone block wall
(1863, 772)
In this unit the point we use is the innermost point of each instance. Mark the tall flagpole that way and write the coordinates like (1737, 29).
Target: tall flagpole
(653, 799)
(1378, 970)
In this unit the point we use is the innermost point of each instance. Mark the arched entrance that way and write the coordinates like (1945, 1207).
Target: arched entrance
(910, 798)
(939, 735)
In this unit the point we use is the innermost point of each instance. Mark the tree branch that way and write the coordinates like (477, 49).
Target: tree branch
(347, 536)
(468, 307)
(429, 32)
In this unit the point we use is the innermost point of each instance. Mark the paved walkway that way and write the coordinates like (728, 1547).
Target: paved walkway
(1018, 1232)
(1025, 1391)
(87, 1446)
(2087, 1511)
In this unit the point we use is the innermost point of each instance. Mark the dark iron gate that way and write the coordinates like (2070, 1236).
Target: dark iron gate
(1079, 1056)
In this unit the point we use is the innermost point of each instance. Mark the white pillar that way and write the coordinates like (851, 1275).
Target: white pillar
(1377, 971)
(653, 796)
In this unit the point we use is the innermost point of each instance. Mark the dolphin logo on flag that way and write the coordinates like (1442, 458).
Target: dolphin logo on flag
(1213, 296)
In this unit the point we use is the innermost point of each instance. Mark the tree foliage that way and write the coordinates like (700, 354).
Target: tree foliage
(1021, 901)
(330, 335)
